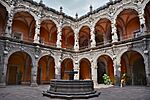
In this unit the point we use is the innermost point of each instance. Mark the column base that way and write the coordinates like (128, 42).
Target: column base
(57, 76)
(117, 81)
(2, 85)
(34, 85)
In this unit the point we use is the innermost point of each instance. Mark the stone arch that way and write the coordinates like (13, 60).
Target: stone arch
(44, 54)
(23, 26)
(105, 66)
(67, 57)
(46, 69)
(17, 50)
(86, 24)
(122, 51)
(69, 25)
(67, 37)
(3, 19)
(103, 31)
(85, 69)
(127, 24)
(101, 17)
(19, 71)
(123, 7)
(48, 32)
(84, 37)
(49, 18)
(8, 8)
(82, 57)
(147, 16)
(66, 67)
(133, 66)
(98, 55)
(17, 10)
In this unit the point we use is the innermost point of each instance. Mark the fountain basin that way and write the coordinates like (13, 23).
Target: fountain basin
(71, 89)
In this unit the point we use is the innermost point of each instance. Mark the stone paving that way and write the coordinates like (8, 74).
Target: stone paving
(107, 93)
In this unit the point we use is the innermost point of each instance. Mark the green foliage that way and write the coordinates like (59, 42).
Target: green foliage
(107, 80)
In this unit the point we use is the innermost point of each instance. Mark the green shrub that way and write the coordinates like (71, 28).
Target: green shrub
(107, 80)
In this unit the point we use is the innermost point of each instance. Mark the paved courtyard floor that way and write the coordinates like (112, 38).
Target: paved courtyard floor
(107, 93)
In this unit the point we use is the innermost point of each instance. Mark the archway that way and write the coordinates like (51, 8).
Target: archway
(85, 69)
(19, 68)
(3, 19)
(84, 37)
(132, 64)
(48, 33)
(66, 65)
(67, 37)
(23, 26)
(147, 16)
(128, 24)
(46, 70)
(105, 66)
(103, 31)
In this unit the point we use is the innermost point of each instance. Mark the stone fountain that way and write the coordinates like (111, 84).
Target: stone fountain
(71, 88)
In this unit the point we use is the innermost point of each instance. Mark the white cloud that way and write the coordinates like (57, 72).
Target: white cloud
(71, 7)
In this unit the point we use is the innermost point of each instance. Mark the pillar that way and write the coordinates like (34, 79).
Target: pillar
(142, 22)
(59, 34)
(57, 69)
(8, 30)
(114, 32)
(117, 70)
(76, 40)
(93, 43)
(34, 75)
(94, 72)
(147, 67)
(37, 32)
(76, 68)
(4, 71)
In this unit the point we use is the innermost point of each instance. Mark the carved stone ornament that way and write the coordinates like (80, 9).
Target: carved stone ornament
(111, 10)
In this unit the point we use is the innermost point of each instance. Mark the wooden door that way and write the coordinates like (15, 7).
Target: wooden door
(12, 72)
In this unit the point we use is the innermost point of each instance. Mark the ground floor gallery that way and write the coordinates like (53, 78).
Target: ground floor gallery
(20, 66)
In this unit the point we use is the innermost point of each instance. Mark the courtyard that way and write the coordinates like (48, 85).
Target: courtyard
(16, 92)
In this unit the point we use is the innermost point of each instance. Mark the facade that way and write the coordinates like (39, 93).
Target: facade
(38, 43)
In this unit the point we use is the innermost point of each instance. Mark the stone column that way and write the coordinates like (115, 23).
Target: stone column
(93, 43)
(116, 65)
(114, 32)
(4, 71)
(37, 32)
(34, 75)
(57, 69)
(142, 23)
(94, 72)
(147, 67)
(59, 34)
(8, 30)
(76, 68)
(76, 40)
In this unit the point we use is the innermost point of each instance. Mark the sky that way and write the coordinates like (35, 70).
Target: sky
(71, 7)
